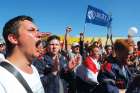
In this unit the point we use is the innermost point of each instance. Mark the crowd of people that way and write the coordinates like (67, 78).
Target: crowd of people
(50, 66)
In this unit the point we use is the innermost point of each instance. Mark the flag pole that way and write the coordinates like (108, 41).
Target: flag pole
(84, 28)
(85, 21)
(110, 26)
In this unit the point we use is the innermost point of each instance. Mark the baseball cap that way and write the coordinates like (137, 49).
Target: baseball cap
(75, 44)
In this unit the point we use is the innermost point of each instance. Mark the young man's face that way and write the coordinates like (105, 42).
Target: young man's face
(95, 53)
(28, 37)
(76, 49)
(54, 46)
(109, 50)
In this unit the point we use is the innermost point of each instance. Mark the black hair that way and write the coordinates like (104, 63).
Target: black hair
(138, 44)
(107, 46)
(53, 37)
(11, 27)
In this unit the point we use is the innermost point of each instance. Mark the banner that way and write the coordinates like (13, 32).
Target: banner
(97, 16)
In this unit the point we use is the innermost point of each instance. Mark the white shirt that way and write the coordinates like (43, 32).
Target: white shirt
(2, 58)
(9, 84)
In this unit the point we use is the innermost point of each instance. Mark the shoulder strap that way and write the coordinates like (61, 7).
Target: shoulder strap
(18, 76)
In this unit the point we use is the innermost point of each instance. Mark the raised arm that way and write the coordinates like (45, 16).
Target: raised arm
(68, 29)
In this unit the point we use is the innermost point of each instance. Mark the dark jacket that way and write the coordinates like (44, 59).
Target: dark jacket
(54, 83)
(113, 77)
(134, 85)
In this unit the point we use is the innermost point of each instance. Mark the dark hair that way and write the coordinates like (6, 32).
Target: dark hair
(43, 42)
(12, 27)
(91, 47)
(107, 46)
(138, 44)
(53, 37)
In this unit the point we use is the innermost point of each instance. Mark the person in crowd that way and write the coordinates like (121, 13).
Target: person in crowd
(138, 51)
(132, 60)
(66, 47)
(101, 49)
(75, 51)
(38, 61)
(108, 50)
(87, 72)
(2, 50)
(109, 53)
(67, 38)
(130, 40)
(56, 70)
(115, 76)
(138, 54)
(134, 85)
(20, 35)
(86, 49)
(42, 47)
(82, 45)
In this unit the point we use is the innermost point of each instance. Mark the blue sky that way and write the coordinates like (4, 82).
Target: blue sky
(54, 15)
